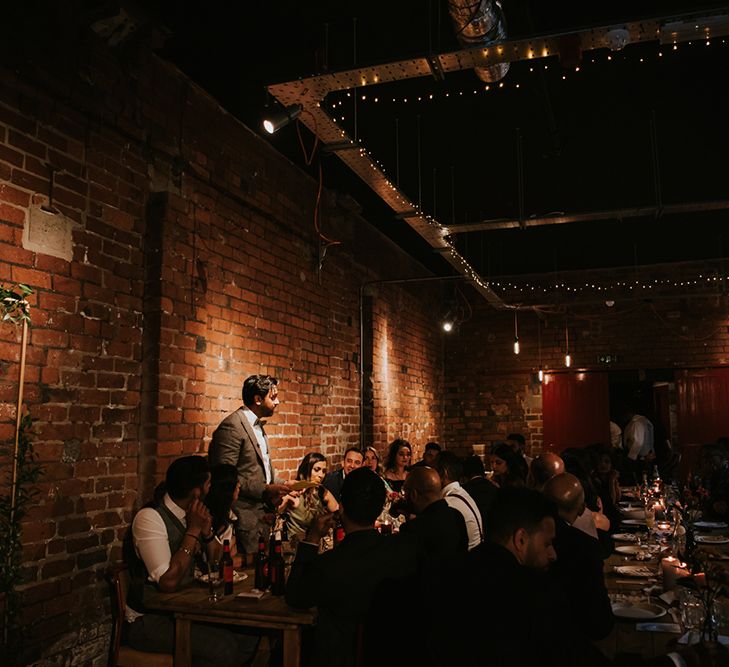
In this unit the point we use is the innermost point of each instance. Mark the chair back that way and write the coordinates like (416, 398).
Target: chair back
(125, 656)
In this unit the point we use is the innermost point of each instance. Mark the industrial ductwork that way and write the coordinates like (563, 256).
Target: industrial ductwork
(480, 23)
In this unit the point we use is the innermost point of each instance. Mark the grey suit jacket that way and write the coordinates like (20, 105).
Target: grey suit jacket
(234, 442)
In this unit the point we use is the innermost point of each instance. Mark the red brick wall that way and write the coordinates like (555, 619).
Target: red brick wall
(492, 392)
(195, 264)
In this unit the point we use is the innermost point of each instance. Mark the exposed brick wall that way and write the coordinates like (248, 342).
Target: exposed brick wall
(493, 392)
(195, 263)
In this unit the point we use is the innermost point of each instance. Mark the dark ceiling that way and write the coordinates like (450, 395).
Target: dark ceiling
(586, 137)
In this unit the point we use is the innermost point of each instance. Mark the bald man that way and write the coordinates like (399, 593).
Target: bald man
(439, 529)
(543, 468)
(578, 568)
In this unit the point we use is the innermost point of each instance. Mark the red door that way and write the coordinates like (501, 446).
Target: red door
(575, 410)
(702, 410)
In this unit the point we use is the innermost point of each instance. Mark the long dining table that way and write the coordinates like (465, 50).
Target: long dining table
(644, 636)
(269, 612)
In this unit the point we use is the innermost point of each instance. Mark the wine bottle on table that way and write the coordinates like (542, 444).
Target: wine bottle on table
(226, 569)
(276, 567)
(261, 580)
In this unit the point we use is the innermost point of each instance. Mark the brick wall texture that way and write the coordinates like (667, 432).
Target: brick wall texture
(195, 263)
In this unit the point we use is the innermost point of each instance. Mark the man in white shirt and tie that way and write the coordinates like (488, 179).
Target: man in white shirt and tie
(241, 440)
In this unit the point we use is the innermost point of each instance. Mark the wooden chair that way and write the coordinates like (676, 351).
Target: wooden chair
(121, 655)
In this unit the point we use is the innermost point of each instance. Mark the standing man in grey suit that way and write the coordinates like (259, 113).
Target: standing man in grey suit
(240, 440)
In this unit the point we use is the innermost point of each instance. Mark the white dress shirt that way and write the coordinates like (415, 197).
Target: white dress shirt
(262, 441)
(638, 437)
(152, 543)
(458, 498)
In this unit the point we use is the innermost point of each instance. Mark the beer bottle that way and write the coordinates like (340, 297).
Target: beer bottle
(276, 567)
(226, 568)
(261, 580)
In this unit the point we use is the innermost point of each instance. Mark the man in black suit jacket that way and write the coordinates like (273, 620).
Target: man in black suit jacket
(579, 565)
(333, 480)
(482, 490)
(341, 582)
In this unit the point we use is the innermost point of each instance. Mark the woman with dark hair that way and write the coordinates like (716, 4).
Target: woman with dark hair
(510, 468)
(397, 464)
(224, 488)
(313, 501)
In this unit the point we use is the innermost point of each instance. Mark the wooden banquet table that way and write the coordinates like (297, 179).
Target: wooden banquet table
(270, 612)
(626, 637)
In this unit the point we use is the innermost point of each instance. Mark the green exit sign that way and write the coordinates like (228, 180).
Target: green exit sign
(607, 359)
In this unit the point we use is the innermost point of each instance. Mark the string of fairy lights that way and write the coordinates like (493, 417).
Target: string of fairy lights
(664, 52)
(610, 286)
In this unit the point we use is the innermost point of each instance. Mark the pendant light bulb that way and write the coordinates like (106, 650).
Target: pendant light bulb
(567, 360)
(516, 346)
(541, 375)
(516, 335)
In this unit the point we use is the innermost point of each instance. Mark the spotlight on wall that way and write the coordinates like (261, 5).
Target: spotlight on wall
(448, 323)
(275, 121)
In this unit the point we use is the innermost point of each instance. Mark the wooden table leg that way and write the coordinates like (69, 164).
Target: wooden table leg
(183, 647)
(291, 648)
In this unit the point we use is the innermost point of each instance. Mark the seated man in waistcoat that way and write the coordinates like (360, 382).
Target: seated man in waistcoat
(166, 536)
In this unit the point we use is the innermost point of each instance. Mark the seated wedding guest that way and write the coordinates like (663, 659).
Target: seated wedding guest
(224, 489)
(518, 443)
(430, 454)
(333, 481)
(302, 509)
(397, 464)
(165, 540)
(372, 460)
(476, 485)
(509, 468)
(450, 469)
(341, 582)
(521, 616)
(578, 569)
(543, 468)
(439, 534)
(580, 461)
(605, 481)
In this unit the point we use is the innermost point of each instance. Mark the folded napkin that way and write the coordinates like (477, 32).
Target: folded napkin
(658, 627)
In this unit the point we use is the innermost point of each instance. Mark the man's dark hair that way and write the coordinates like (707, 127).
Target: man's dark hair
(432, 445)
(472, 466)
(257, 385)
(449, 464)
(185, 474)
(352, 449)
(517, 507)
(518, 437)
(363, 496)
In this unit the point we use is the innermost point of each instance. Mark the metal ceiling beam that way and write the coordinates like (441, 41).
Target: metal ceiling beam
(310, 93)
(617, 214)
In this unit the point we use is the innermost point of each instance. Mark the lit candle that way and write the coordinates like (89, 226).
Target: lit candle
(672, 570)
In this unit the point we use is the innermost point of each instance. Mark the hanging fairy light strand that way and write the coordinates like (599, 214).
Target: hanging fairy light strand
(381, 97)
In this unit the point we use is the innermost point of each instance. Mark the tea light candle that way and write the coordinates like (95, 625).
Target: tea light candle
(672, 570)
(663, 525)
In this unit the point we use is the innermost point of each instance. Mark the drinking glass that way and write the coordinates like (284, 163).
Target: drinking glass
(213, 581)
(692, 612)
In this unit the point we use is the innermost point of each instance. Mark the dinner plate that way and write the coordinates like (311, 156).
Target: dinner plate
(710, 524)
(635, 571)
(641, 611)
(712, 539)
(625, 537)
(634, 514)
(628, 549)
(237, 576)
(634, 522)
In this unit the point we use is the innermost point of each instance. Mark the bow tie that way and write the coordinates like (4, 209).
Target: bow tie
(259, 422)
